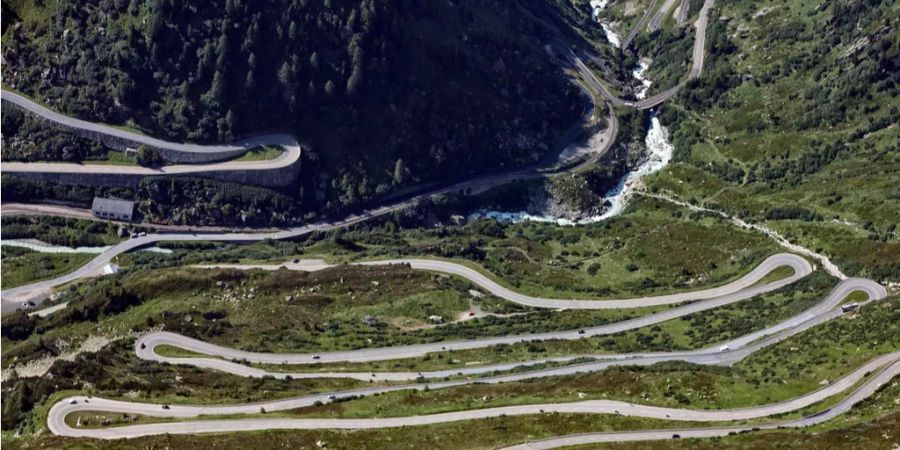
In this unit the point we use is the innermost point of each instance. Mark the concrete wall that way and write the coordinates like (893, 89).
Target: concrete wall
(265, 178)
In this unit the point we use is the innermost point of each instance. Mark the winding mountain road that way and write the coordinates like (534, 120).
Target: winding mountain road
(288, 158)
(738, 349)
(598, 85)
(657, 19)
(884, 368)
(682, 14)
(13, 298)
(741, 288)
(640, 24)
(888, 366)
(866, 390)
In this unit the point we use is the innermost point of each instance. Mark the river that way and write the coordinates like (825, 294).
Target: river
(659, 154)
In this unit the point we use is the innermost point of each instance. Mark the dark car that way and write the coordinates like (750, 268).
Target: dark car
(676, 436)
(165, 407)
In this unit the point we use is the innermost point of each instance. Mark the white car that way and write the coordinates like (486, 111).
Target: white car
(724, 348)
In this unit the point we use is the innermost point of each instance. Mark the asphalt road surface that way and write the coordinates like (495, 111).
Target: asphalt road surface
(887, 367)
(289, 157)
(683, 9)
(863, 392)
(737, 348)
(222, 151)
(597, 85)
(740, 287)
(640, 25)
(13, 299)
(657, 19)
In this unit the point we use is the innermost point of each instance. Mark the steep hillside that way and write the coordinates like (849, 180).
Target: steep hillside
(794, 123)
(385, 92)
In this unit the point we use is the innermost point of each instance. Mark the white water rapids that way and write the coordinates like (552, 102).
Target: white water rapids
(658, 146)
(611, 36)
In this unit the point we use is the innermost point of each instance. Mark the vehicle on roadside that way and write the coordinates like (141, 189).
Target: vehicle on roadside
(849, 307)
(28, 305)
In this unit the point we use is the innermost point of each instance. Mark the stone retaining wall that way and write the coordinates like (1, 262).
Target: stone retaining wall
(265, 178)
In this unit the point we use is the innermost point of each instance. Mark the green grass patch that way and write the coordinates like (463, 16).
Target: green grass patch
(22, 266)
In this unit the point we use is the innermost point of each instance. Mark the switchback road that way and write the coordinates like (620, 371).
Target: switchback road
(598, 85)
(640, 24)
(737, 348)
(288, 158)
(741, 288)
(13, 298)
(887, 367)
(657, 19)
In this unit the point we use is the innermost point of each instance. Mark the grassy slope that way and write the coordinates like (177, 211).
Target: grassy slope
(22, 266)
(755, 125)
(581, 262)
(668, 385)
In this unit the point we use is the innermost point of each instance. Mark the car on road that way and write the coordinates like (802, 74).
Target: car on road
(676, 436)
(332, 397)
(849, 307)
(296, 260)
(28, 305)
(724, 348)
(165, 407)
(317, 357)
(580, 331)
(471, 313)
(73, 402)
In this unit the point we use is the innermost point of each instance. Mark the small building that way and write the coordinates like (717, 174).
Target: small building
(110, 269)
(112, 209)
